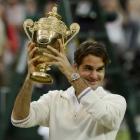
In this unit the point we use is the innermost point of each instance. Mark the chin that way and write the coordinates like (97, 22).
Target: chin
(94, 86)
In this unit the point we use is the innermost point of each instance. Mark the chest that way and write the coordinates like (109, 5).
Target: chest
(70, 113)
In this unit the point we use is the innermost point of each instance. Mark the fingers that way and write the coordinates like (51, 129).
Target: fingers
(53, 55)
(56, 51)
(33, 60)
(50, 56)
(53, 51)
(32, 53)
(31, 49)
(30, 46)
(62, 49)
(53, 63)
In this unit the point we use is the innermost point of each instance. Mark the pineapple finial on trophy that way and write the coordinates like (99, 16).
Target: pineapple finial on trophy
(54, 12)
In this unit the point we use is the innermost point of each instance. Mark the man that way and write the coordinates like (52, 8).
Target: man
(85, 111)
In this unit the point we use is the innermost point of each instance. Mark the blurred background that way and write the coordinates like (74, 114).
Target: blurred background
(113, 22)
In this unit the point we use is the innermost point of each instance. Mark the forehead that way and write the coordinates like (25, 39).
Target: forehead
(93, 60)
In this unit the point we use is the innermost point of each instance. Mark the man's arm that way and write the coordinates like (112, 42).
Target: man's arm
(107, 109)
(79, 84)
(22, 103)
(60, 59)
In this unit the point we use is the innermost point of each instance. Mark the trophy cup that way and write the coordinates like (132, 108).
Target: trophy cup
(45, 32)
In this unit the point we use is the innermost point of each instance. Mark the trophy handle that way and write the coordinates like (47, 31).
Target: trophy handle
(74, 29)
(28, 28)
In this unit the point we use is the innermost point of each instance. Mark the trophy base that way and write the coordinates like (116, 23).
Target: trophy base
(41, 77)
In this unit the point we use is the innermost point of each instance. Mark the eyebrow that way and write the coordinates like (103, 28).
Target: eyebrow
(91, 67)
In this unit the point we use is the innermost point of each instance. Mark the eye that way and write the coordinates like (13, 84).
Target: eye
(88, 68)
(101, 69)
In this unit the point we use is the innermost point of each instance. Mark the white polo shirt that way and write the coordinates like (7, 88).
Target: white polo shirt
(96, 114)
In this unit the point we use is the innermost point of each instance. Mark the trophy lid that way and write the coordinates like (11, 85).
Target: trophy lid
(52, 22)
(54, 13)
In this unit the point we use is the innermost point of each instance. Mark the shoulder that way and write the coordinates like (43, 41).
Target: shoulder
(51, 94)
(55, 94)
(114, 97)
(109, 95)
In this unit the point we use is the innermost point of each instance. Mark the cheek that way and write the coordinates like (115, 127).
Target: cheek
(102, 75)
(84, 73)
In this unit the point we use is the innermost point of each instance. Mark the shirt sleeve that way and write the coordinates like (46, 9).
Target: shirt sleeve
(39, 113)
(108, 110)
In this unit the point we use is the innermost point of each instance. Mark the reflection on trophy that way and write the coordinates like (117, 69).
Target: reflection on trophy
(45, 32)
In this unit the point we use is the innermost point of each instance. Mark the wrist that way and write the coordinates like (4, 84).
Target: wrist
(28, 79)
(74, 76)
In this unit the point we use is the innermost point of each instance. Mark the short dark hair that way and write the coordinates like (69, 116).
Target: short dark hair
(91, 47)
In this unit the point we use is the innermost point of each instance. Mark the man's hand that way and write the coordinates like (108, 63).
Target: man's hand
(32, 57)
(59, 59)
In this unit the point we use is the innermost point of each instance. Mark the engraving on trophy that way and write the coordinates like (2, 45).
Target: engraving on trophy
(45, 32)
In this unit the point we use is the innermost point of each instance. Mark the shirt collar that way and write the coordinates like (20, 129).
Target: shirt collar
(70, 92)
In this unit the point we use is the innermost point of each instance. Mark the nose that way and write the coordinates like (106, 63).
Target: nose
(94, 74)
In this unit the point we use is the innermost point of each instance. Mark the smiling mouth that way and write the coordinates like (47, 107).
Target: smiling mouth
(92, 82)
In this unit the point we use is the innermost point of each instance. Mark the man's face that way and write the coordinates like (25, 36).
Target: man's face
(92, 70)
